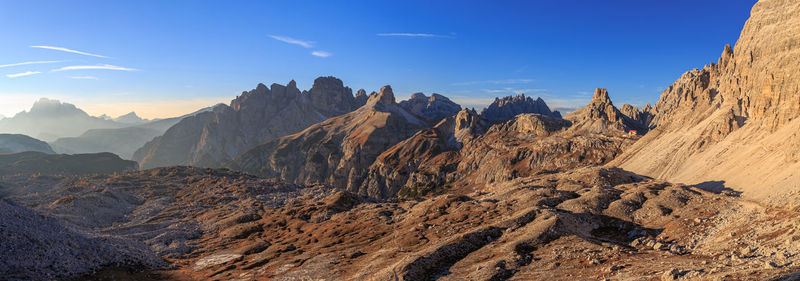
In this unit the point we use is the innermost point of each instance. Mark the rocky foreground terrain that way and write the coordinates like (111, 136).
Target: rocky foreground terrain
(589, 223)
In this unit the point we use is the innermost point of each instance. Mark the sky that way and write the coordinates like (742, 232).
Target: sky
(168, 58)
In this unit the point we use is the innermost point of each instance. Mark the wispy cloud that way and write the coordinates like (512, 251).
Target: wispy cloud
(322, 54)
(304, 44)
(27, 73)
(422, 35)
(514, 91)
(94, 67)
(496, 82)
(29, 63)
(85, 77)
(69, 51)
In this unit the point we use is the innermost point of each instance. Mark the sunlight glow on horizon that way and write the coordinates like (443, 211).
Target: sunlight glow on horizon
(145, 110)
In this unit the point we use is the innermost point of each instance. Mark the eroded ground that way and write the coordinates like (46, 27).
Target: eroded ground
(587, 224)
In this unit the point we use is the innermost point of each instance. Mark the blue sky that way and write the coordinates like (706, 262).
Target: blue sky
(164, 58)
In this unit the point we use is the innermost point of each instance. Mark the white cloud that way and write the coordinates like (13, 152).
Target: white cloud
(22, 74)
(85, 77)
(422, 35)
(514, 91)
(28, 63)
(93, 67)
(498, 82)
(69, 51)
(304, 44)
(322, 54)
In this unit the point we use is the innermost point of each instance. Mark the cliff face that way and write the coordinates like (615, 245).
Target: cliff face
(263, 114)
(734, 122)
(337, 151)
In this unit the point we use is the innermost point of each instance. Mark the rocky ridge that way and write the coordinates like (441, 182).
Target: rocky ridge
(12, 143)
(263, 114)
(39, 163)
(466, 151)
(601, 116)
(337, 151)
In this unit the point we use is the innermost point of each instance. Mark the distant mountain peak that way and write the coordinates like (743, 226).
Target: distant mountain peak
(384, 97)
(601, 116)
(433, 108)
(130, 118)
(507, 107)
(45, 106)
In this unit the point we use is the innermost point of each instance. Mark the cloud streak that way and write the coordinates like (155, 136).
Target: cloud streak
(418, 35)
(27, 73)
(29, 63)
(95, 67)
(322, 54)
(85, 77)
(497, 82)
(304, 44)
(514, 90)
(69, 51)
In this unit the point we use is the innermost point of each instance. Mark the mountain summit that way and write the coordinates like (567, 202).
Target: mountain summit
(256, 116)
(50, 119)
(600, 115)
(337, 151)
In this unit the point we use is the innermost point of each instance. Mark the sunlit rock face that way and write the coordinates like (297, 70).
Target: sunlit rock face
(734, 120)
(260, 115)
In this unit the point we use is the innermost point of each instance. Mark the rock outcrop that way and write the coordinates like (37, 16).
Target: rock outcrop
(260, 115)
(12, 143)
(424, 159)
(464, 152)
(507, 107)
(337, 151)
(36, 247)
(601, 116)
(640, 117)
(735, 121)
(433, 108)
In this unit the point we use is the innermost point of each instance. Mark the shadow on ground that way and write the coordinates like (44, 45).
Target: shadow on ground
(718, 187)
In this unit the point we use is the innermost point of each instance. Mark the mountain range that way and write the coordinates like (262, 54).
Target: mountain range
(120, 141)
(262, 114)
(320, 184)
(51, 119)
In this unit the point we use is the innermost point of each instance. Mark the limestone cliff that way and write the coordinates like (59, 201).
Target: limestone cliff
(734, 123)
(337, 151)
(260, 115)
